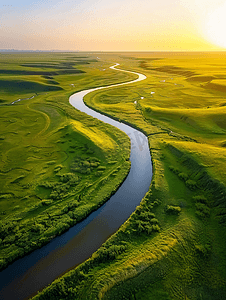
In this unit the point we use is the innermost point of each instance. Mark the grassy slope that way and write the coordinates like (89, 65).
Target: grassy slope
(57, 164)
(173, 246)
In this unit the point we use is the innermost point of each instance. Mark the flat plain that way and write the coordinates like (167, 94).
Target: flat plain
(173, 245)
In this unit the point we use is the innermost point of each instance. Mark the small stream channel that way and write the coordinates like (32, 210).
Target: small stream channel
(26, 276)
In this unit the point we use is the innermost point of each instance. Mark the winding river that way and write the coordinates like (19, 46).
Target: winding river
(26, 276)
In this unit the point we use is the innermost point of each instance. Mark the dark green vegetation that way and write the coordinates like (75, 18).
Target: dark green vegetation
(173, 246)
(57, 164)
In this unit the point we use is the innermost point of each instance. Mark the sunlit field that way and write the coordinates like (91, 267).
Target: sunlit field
(56, 162)
(173, 246)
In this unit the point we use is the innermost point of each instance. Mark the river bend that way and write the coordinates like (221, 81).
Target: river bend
(26, 276)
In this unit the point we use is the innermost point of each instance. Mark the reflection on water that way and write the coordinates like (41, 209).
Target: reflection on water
(33, 272)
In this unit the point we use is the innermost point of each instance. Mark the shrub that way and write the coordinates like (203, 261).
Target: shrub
(98, 173)
(148, 109)
(37, 228)
(112, 162)
(72, 205)
(174, 210)
(69, 177)
(174, 170)
(90, 151)
(191, 184)
(86, 164)
(46, 184)
(156, 228)
(5, 196)
(94, 164)
(200, 198)
(9, 239)
(72, 215)
(105, 254)
(94, 159)
(203, 250)
(149, 229)
(71, 151)
(2, 263)
(154, 221)
(202, 210)
(100, 168)
(183, 176)
(46, 202)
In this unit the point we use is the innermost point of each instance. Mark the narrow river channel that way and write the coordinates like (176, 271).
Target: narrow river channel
(26, 276)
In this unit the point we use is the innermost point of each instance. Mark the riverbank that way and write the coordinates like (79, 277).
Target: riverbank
(185, 126)
(101, 224)
(50, 169)
(184, 120)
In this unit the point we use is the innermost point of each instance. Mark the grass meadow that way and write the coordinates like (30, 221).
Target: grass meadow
(173, 246)
(57, 164)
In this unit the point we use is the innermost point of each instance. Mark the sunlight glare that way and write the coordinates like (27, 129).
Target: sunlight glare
(216, 26)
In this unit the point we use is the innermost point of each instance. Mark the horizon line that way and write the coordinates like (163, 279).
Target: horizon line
(104, 51)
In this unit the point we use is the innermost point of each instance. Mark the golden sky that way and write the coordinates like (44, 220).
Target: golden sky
(113, 25)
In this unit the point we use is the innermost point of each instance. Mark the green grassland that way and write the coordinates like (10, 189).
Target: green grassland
(57, 164)
(173, 246)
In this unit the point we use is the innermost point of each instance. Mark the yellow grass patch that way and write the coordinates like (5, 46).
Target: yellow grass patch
(197, 112)
(139, 261)
(210, 156)
(212, 119)
(151, 252)
(97, 136)
(220, 81)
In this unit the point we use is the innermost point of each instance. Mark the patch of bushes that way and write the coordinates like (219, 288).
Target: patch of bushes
(143, 220)
(98, 173)
(191, 184)
(70, 178)
(60, 189)
(202, 210)
(200, 198)
(23, 237)
(105, 253)
(112, 162)
(85, 166)
(46, 202)
(5, 196)
(174, 170)
(203, 250)
(183, 176)
(101, 168)
(148, 110)
(173, 210)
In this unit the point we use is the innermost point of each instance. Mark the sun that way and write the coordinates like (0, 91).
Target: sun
(216, 26)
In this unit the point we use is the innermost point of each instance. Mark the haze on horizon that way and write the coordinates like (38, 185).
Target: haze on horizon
(122, 25)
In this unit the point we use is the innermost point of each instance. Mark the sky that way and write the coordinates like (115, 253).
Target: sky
(113, 25)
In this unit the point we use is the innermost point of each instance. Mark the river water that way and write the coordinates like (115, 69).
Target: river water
(26, 276)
